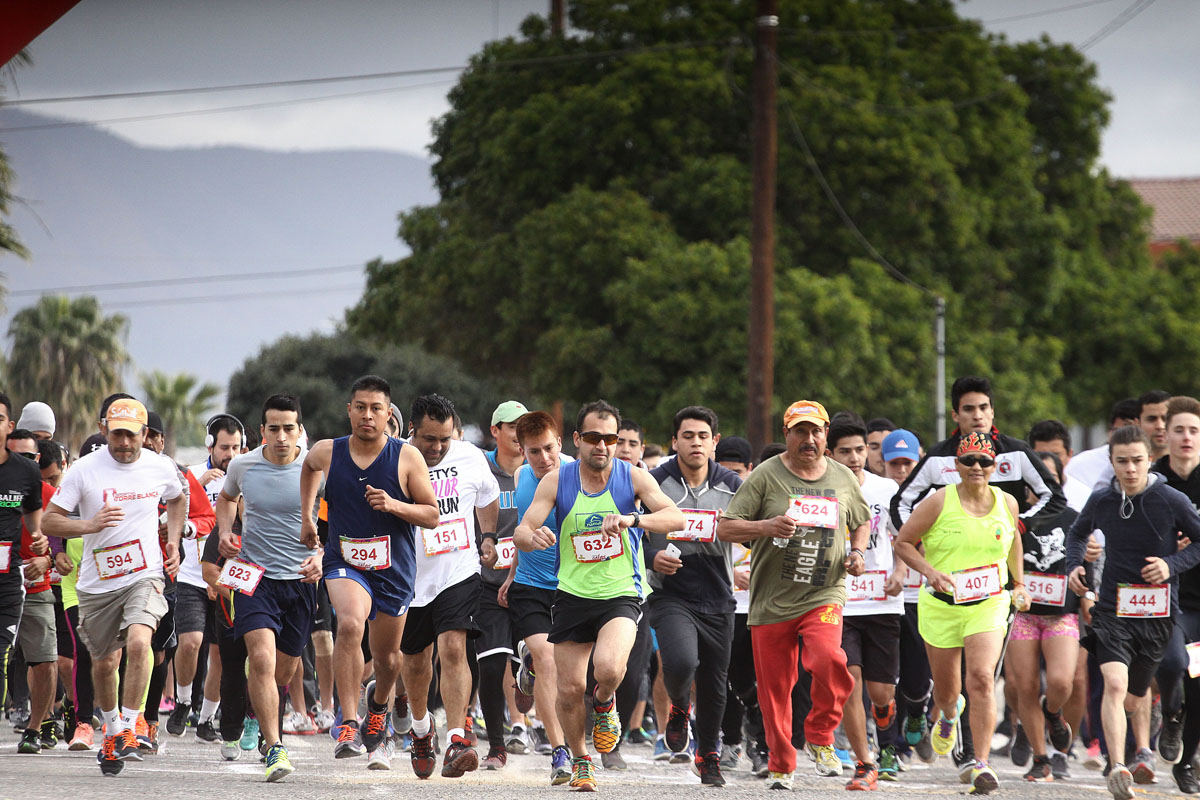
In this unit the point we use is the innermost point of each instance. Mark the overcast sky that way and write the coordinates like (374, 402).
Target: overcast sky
(1149, 64)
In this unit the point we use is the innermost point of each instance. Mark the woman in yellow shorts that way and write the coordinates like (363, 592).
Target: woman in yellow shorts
(971, 547)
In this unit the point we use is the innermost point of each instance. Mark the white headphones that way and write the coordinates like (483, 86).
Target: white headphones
(210, 439)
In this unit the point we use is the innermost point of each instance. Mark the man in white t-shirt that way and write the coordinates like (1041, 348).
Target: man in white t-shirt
(871, 618)
(120, 585)
(447, 586)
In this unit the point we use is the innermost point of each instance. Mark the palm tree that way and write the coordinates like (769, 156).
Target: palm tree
(181, 400)
(67, 353)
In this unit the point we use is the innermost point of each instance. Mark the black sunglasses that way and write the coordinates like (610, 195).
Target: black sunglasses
(595, 437)
(982, 461)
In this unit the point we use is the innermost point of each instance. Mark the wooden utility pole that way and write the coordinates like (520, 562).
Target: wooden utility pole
(557, 17)
(760, 377)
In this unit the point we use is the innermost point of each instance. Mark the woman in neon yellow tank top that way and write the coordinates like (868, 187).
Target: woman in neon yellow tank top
(971, 548)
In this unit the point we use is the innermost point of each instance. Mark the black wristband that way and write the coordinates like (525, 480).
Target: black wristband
(637, 520)
(489, 535)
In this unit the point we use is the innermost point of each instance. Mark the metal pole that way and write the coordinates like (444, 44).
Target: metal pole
(557, 15)
(760, 372)
(939, 389)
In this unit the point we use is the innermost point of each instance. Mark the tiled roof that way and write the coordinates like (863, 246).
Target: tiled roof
(1176, 204)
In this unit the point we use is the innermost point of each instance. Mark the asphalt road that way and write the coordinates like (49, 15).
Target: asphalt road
(192, 769)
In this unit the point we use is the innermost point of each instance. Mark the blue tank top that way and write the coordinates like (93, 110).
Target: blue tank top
(537, 568)
(351, 517)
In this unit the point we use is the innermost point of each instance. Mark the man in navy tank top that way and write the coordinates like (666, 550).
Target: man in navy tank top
(377, 488)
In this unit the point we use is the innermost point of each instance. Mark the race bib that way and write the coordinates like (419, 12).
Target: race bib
(913, 579)
(5, 556)
(367, 554)
(977, 583)
(505, 550)
(813, 512)
(699, 525)
(446, 538)
(868, 586)
(241, 576)
(1049, 590)
(592, 546)
(1143, 600)
(120, 559)
(55, 576)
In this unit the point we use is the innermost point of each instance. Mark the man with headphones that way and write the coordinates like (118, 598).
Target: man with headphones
(225, 437)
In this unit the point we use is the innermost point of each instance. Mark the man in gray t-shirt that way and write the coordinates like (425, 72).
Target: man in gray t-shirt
(272, 573)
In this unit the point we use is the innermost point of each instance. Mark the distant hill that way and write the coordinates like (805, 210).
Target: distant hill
(97, 210)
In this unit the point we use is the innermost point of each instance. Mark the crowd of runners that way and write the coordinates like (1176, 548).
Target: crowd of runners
(850, 595)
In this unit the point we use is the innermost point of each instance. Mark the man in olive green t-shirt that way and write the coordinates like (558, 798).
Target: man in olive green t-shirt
(793, 512)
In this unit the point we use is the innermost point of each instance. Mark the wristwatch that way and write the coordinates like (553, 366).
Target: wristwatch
(637, 520)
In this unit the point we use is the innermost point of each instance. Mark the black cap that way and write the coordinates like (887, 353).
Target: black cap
(92, 444)
(154, 422)
(734, 448)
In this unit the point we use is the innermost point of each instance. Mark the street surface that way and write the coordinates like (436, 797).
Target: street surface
(192, 769)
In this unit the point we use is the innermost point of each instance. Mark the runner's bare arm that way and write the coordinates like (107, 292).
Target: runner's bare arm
(56, 523)
(37, 539)
(488, 516)
(316, 464)
(532, 534)
(745, 530)
(664, 515)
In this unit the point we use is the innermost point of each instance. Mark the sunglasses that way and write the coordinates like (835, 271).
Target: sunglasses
(595, 437)
(980, 461)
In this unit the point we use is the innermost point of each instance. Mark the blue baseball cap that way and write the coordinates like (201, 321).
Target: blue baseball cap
(901, 444)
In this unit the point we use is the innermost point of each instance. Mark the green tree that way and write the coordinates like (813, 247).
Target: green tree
(319, 369)
(182, 401)
(68, 353)
(597, 210)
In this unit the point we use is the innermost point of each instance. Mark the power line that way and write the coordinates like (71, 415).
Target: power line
(158, 282)
(1116, 23)
(234, 297)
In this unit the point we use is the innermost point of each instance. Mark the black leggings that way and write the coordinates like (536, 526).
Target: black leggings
(493, 670)
(695, 648)
(234, 699)
(158, 681)
(742, 698)
(1189, 623)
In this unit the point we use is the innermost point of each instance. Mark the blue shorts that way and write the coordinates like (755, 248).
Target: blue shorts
(386, 597)
(286, 607)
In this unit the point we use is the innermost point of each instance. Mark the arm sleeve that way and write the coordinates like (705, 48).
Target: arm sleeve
(489, 487)
(211, 553)
(918, 483)
(1050, 498)
(233, 478)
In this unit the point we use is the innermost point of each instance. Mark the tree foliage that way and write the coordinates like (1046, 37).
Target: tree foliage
(591, 237)
(320, 368)
(68, 353)
(183, 402)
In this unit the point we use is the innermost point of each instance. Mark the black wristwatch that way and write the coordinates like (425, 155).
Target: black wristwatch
(489, 535)
(637, 520)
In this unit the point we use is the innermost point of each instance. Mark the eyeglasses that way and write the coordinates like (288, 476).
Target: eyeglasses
(973, 461)
(31, 456)
(595, 437)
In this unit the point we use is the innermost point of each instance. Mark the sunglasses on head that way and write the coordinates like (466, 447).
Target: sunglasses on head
(973, 461)
(595, 437)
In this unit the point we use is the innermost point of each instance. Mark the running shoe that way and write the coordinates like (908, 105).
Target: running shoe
(708, 767)
(638, 736)
(106, 756)
(758, 761)
(50, 735)
(613, 760)
(401, 715)
(497, 757)
(560, 766)
(1185, 778)
(583, 774)
(299, 723)
(424, 760)
(230, 751)
(381, 756)
(889, 715)
(914, 729)
(30, 743)
(374, 729)
(983, 780)
(730, 755)
(541, 741)
(279, 766)
(127, 746)
(781, 780)
(152, 737)
(661, 753)
(1021, 749)
(844, 757)
(945, 731)
(606, 729)
(84, 737)
(966, 765)
(1170, 740)
(1095, 757)
(349, 742)
(207, 732)
(826, 761)
(678, 729)
(177, 722)
(525, 679)
(323, 719)
(1041, 770)
(889, 764)
(1059, 732)
(866, 778)
(1120, 783)
(1143, 766)
(515, 742)
(1058, 767)
(141, 731)
(460, 758)
(249, 739)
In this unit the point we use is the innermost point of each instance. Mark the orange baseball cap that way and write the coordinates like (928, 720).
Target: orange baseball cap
(126, 415)
(805, 411)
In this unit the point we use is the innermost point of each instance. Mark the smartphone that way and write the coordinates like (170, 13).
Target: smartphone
(672, 550)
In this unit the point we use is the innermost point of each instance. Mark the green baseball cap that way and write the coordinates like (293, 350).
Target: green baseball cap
(509, 411)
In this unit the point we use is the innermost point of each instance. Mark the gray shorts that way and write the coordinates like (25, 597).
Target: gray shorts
(103, 618)
(37, 635)
(191, 608)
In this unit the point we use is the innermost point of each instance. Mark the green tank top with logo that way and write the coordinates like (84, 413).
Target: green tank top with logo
(958, 541)
(589, 564)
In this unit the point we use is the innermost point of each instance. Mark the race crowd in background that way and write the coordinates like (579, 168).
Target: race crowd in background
(850, 594)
